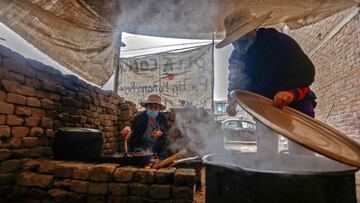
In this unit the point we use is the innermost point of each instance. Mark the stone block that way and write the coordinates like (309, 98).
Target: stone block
(47, 166)
(9, 165)
(50, 133)
(36, 131)
(2, 119)
(32, 121)
(19, 131)
(36, 152)
(63, 170)
(144, 176)
(38, 112)
(136, 199)
(23, 111)
(82, 172)
(79, 186)
(20, 153)
(20, 191)
(33, 102)
(185, 177)
(31, 165)
(44, 141)
(15, 99)
(6, 108)
(32, 179)
(95, 198)
(4, 131)
(182, 192)
(103, 172)
(47, 122)
(4, 154)
(98, 188)
(29, 142)
(13, 120)
(120, 189)
(165, 175)
(37, 193)
(138, 189)
(117, 199)
(124, 174)
(59, 195)
(6, 178)
(160, 191)
(63, 183)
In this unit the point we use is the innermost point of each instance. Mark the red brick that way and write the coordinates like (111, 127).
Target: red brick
(6, 108)
(29, 142)
(16, 99)
(19, 131)
(33, 83)
(32, 121)
(54, 97)
(27, 91)
(2, 96)
(11, 86)
(47, 104)
(15, 142)
(2, 119)
(4, 131)
(14, 120)
(36, 131)
(47, 122)
(22, 111)
(33, 101)
(38, 112)
(17, 77)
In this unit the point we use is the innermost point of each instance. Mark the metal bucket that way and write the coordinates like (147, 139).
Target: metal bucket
(246, 177)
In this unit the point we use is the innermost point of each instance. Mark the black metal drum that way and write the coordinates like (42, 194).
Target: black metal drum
(248, 178)
(81, 144)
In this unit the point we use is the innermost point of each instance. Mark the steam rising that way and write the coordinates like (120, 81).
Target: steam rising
(167, 18)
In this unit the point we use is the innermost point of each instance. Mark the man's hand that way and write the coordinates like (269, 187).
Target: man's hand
(283, 98)
(157, 133)
(231, 108)
(125, 133)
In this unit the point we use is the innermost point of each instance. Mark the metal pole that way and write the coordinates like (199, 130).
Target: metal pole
(213, 73)
(117, 63)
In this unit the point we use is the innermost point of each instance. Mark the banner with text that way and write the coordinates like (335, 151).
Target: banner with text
(181, 78)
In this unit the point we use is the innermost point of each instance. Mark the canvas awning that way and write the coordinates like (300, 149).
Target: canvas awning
(82, 34)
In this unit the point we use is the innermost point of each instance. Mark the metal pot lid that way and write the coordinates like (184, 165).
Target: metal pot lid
(300, 128)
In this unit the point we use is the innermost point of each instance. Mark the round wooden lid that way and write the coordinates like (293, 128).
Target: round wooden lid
(300, 128)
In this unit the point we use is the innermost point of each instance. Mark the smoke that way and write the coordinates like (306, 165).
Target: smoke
(200, 133)
(174, 18)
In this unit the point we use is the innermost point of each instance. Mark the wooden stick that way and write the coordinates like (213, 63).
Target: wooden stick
(170, 160)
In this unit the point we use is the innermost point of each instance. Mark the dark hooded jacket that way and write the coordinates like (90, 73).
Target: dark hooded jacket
(139, 140)
(273, 63)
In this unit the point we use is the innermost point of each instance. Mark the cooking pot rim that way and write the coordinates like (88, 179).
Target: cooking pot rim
(234, 167)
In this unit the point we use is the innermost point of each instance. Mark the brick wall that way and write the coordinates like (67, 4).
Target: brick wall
(337, 62)
(35, 99)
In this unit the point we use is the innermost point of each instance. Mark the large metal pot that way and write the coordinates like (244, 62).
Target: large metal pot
(77, 144)
(241, 177)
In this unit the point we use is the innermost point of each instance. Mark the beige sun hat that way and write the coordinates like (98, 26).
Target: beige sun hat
(153, 99)
(239, 23)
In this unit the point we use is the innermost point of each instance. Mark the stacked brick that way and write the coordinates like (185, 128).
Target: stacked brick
(50, 180)
(36, 99)
(337, 65)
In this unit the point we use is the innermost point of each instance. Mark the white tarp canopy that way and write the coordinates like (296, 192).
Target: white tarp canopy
(82, 35)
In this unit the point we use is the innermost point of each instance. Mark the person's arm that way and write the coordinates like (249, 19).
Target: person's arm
(283, 98)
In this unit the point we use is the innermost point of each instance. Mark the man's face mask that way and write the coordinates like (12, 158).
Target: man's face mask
(242, 44)
(151, 113)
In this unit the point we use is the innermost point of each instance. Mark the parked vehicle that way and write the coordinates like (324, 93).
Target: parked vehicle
(236, 130)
